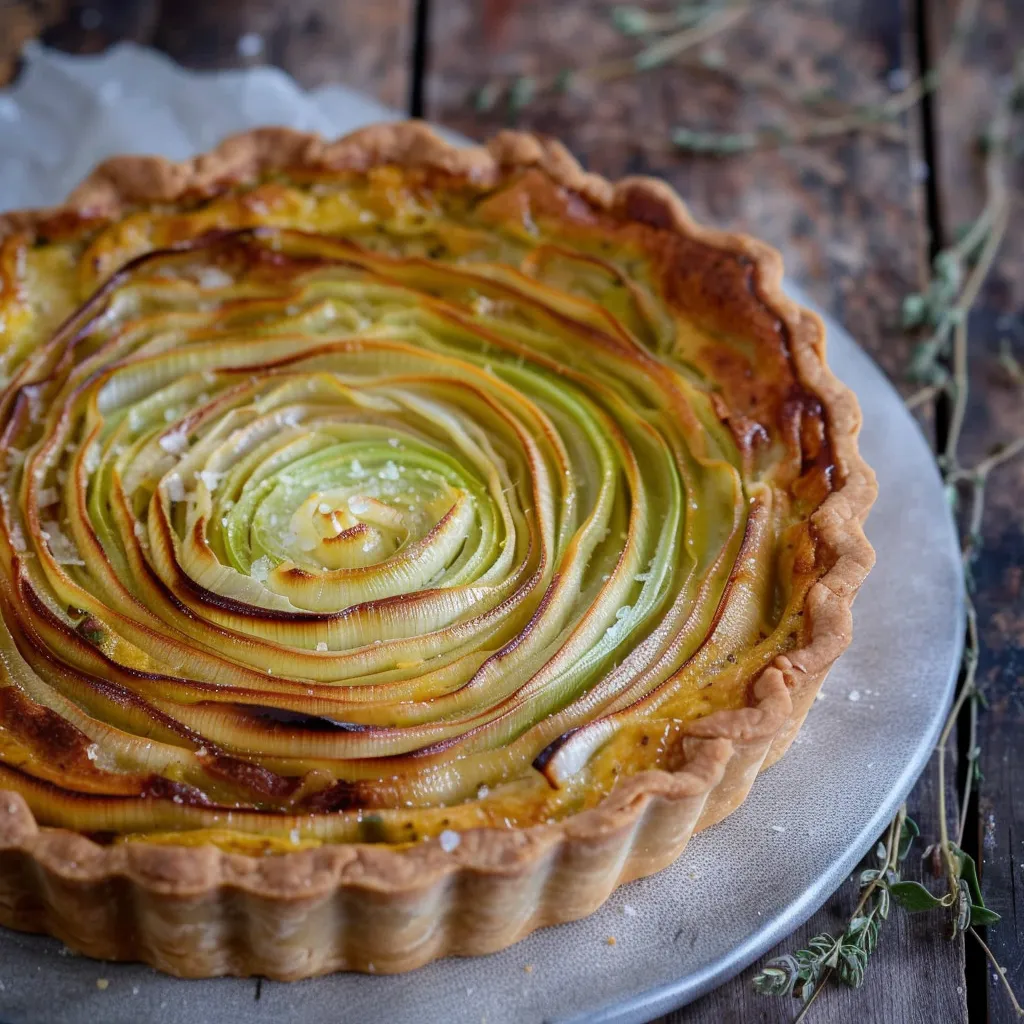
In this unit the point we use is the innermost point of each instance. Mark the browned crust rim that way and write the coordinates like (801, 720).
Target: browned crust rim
(781, 695)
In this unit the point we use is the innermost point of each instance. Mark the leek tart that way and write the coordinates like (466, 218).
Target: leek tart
(414, 542)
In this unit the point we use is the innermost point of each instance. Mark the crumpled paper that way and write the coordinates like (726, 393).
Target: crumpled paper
(67, 113)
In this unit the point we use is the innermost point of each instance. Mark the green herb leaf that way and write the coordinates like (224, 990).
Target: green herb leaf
(914, 897)
(486, 97)
(982, 915)
(948, 269)
(915, 308)
(777, 977)
(852, 966)
(652, 57)
(868, 875)
(521, 94)
(908, 833)
(968, 871)
(630, 21)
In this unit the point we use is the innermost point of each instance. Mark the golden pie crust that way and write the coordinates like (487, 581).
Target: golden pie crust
(201, 911)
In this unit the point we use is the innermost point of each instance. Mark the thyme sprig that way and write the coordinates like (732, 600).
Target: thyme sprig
(670, 35)
(941, 360)
(963, 892)
(708, 21)
(871, 117)
(803, 973)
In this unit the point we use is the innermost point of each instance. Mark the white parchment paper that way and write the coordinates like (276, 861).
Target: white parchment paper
(67, 113)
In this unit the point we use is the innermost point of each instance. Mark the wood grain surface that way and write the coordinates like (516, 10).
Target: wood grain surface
(963, 108)
(848, 216)
(856, 218)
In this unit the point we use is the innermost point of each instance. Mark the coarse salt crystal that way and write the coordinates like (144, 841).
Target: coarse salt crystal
(175, 442)
(482, 791)
(854, 695)
(260, 569)
(321, 645)
(18, 538)
(210, 478)
(449, 840)
(175, 488)
(62, 549)
(358, 505)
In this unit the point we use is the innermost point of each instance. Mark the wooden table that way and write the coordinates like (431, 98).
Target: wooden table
(857, 218)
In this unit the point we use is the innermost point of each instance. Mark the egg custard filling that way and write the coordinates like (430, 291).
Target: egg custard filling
(364, 505)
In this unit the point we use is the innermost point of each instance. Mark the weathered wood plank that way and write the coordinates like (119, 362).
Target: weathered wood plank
(915, 976)
(847, 214)
(995, 415)
(849, 218)
(368, 46)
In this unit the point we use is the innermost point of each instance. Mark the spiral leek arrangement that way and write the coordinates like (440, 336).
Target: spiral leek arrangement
(357, 508)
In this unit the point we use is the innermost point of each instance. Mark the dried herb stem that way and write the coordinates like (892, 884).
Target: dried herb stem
(959, 273)
(923, 396)
(892, 848)
(960, 382)
(1000, 971)
(667, 49)
(525, 89)
(984, 238)
(636, 21)
(868, 118)
(967, 690)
